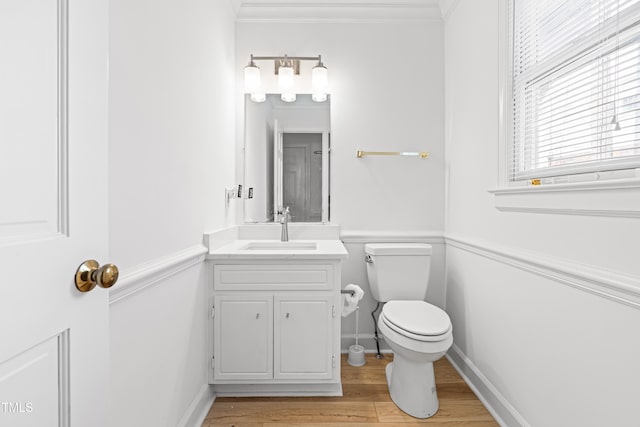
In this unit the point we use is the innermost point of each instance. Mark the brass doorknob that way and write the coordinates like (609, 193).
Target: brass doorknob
(90, 274)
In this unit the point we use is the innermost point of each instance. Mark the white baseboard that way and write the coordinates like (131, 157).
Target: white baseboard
(290, 390)
(199, 408)
(365, 340)
(505, 414)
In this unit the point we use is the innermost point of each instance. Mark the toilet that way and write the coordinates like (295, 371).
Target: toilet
(417, 332)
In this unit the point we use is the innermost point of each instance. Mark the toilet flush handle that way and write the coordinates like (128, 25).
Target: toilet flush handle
(368, 259)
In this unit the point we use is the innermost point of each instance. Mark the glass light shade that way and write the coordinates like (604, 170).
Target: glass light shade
(285, 77)
(319, 78)
(252, 79)
(258, 97)
(288, 97)
(319, 96)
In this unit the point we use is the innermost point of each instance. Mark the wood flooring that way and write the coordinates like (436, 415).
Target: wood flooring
(365, 402)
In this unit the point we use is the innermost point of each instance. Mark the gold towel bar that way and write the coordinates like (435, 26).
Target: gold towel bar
(422, 154)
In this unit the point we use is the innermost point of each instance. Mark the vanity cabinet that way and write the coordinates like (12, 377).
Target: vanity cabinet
(273, 336)
(275, 328)
(303, 347)
(243, 337)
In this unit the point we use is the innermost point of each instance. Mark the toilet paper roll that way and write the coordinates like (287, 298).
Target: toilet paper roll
(350, 301)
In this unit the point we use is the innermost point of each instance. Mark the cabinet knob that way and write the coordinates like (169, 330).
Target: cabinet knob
(257, 315)
(287, 315)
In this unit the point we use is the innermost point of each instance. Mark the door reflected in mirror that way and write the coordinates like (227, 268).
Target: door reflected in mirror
(286, 157)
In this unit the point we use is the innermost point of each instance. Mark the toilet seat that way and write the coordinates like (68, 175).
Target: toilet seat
(417, 320)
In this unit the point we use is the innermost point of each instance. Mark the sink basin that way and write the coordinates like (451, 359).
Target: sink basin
(280, 246)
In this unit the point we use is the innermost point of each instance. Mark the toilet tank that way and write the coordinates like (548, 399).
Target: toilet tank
(398, 271)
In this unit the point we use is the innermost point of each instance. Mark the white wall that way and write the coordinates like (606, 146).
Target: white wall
(539, 325)
(172, 148)
(159, 351)
(387, 94)
(171, 154)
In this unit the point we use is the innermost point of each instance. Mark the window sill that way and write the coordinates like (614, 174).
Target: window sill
(613, 198)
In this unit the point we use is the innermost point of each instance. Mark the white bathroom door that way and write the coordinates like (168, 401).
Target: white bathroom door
(53, 212)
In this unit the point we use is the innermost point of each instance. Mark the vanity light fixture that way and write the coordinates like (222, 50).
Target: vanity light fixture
(285, 74)
(319, 81)
(288, 96)
(285, 80)
(286, 67)
(258, 96)
(252, 82)
(252, 79)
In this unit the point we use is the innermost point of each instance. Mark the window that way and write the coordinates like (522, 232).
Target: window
(575, 95)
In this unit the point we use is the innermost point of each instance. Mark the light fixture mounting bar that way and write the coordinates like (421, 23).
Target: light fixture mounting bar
(293, 61)
(282, 58)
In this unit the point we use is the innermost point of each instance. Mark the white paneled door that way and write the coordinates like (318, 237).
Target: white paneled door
(53, 211)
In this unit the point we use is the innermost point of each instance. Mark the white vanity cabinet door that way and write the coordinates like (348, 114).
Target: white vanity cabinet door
(303, 331)
(243, 337)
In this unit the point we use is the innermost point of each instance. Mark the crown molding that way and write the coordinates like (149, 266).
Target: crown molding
(447, 7)
(235, 6)
(337, 11)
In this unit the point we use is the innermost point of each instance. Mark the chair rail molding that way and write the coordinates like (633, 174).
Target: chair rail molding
(148, 274)
(392, 236)
(624, 289)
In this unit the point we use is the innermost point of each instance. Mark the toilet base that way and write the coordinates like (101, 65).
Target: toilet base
(412, 387)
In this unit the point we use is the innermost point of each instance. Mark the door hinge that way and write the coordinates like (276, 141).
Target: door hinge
(333, 311)
(213, 363)
(333, 361)
(213, 311)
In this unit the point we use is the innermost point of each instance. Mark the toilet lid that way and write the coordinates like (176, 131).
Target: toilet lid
(416, 317)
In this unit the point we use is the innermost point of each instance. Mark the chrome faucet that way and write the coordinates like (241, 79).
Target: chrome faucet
(284, 237)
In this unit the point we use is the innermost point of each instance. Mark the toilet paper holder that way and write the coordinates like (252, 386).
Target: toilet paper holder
(347, 291)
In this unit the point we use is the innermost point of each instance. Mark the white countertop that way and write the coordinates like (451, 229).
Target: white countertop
(237, 249)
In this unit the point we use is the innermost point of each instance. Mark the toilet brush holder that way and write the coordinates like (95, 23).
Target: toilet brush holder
(356, 355)
(356, 352)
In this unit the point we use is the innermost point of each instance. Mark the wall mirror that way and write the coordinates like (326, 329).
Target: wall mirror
(286, 159)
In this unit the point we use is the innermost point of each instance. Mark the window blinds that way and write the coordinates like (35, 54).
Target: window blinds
(576, 87)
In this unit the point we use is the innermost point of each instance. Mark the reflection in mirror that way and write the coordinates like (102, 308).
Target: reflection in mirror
(286, 155)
